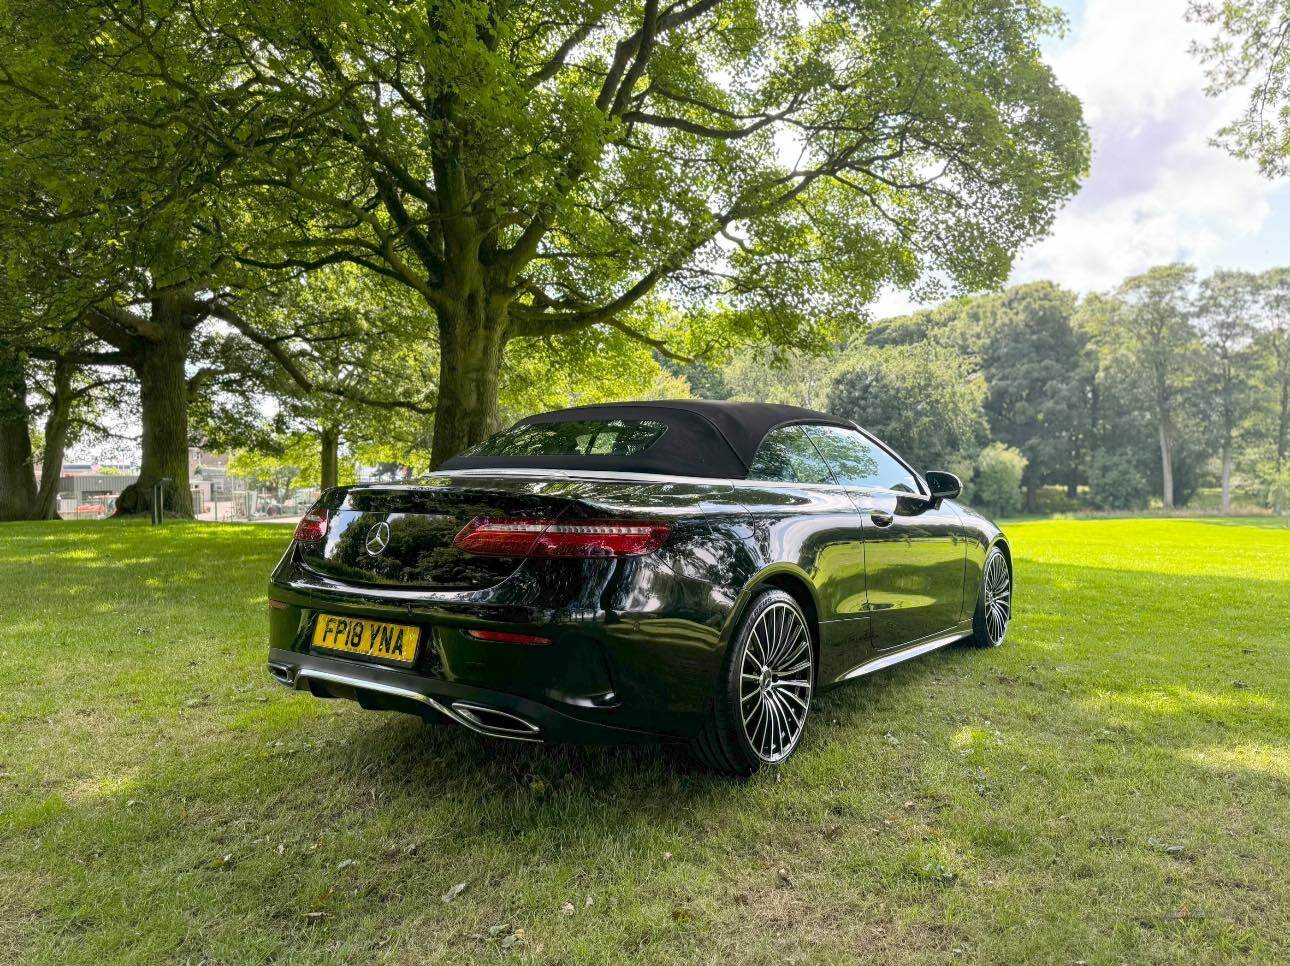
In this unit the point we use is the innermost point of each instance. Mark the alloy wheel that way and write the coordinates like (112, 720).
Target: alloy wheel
(998, 597)
(775, 682)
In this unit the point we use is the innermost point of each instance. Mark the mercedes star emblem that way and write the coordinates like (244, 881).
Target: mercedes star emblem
(378, 538)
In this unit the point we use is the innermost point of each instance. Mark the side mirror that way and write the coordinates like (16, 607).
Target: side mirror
(944, 486)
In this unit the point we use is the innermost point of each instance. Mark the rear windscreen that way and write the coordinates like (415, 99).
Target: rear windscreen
(590, 437)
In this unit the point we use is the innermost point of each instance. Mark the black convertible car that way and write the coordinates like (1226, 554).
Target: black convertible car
(687, 571)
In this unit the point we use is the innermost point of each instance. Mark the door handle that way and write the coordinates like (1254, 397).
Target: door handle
(880, 518)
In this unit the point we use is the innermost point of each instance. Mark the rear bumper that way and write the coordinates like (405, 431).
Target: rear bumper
(634, 650)
(487, 712)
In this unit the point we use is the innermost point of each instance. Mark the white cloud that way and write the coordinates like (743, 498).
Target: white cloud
(1157, 191)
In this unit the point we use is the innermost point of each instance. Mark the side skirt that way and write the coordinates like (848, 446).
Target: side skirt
(960, 631)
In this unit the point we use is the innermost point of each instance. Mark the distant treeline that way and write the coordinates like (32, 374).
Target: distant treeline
(1168, 384)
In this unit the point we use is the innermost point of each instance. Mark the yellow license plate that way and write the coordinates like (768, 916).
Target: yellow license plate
(353, 635)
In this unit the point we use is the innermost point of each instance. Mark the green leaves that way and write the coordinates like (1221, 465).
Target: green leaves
(1248, 52)
(762, 169)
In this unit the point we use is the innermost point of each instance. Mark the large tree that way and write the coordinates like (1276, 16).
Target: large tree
(1225, 310)
(1152, 326)
(1273, 319)
(17, 475)
(58, 380)
(104, 216)
(1038, 377)
(44, 387)
(534, 170)
(117, 218)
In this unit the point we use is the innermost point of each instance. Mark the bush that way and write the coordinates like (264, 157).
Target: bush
(1052, 500)
(1116, 483)
(996, 485)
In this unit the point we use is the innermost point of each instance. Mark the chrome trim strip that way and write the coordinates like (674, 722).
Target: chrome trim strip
(835, 487)
(398, 692)
(898, 657)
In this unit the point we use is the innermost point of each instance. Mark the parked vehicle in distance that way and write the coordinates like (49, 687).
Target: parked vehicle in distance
(662, 571)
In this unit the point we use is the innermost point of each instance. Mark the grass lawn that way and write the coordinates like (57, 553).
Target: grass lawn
(1111, 785)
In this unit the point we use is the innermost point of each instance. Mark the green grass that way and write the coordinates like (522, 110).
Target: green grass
(1109, 786)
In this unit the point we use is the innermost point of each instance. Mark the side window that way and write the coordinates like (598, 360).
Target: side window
(787, 455)
(858, 461)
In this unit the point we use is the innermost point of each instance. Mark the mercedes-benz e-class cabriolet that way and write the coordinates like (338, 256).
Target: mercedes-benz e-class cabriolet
(679, 571)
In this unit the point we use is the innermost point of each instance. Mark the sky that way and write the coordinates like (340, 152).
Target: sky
(1157, 191)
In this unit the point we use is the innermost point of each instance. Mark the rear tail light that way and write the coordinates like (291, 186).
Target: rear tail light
(312, 526)
(492, 537)
(506, 637)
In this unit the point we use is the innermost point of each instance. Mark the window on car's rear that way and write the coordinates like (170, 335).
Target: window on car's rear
(579, 437)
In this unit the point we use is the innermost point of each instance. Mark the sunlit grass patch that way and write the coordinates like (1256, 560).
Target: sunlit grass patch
(1267, 759)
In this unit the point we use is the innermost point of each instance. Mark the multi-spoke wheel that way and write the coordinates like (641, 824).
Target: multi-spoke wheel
(761, 710)
(775, 682)
(994, 603)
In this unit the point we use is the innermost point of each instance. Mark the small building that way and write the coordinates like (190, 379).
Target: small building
(91, 495)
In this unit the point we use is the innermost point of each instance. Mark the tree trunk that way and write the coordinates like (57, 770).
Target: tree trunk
(330, 439)
(471, 343)
(1032, 497)
(1166, 467)
(17, 474)
(57, 425)
(1226, 503)
(163, 396)
(1283, 426)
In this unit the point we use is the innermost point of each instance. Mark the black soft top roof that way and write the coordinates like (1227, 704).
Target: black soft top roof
(703, 437)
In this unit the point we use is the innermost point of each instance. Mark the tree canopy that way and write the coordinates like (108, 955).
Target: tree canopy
(533, 170)
(924, 400)
(554, 190)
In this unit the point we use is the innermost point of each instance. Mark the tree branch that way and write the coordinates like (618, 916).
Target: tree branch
(275, 348)
(552, 66)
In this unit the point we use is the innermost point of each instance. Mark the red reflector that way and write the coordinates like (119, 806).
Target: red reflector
(507, 638)
(277, 604)
(312, 526)
(501, 537)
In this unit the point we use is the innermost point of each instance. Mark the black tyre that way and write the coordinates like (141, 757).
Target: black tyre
(763, 700)
(993, 601)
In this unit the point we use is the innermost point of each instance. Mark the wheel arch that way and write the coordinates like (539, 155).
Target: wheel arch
(1000, 542)
(1006, 549)
(791, 580)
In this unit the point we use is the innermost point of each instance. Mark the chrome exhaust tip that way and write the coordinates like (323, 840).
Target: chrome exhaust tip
(283, 674)
(490, 721)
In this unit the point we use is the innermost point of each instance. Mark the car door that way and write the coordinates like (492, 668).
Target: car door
(914, 556)
(802, 516)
